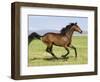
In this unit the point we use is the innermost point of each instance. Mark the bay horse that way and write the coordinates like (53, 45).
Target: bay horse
(62, 39)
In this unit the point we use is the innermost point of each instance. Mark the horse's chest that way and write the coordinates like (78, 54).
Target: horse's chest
(64, 39)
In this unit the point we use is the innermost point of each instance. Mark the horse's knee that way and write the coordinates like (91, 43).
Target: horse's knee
(48, 50)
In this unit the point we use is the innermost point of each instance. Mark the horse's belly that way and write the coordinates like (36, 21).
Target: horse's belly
(61, 42)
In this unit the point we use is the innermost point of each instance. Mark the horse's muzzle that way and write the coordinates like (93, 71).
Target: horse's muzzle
(81, 31)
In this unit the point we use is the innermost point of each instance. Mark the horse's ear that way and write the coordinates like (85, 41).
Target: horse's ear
(76, 23)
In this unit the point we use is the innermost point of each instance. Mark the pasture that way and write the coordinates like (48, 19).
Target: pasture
(37, 56)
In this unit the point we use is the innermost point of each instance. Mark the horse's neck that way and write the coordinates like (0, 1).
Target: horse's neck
(69, 34)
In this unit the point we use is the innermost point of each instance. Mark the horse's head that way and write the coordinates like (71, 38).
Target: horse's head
(76, 27)
(71, 26)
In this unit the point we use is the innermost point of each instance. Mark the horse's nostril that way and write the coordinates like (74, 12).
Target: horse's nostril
(80, 31)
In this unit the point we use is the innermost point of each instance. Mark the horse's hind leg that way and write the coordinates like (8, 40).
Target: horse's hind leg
(66, 53)
(49, 50)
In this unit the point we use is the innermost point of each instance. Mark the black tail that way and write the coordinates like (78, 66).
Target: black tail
(32, 36)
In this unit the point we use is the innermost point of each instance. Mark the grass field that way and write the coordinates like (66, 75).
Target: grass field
(39, 57)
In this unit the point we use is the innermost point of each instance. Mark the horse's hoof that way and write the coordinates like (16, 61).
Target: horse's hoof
(75, 57)
(63, 56)
(55, 57)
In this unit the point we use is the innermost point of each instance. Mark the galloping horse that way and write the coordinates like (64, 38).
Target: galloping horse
(62, 39)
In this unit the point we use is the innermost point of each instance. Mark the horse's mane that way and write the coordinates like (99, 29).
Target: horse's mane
(66, 29)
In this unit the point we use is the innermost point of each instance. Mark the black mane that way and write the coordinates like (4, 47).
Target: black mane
(66, 29)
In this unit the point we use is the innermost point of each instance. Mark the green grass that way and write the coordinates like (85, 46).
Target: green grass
(39, 57)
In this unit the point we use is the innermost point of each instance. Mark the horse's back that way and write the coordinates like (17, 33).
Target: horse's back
(49, 37)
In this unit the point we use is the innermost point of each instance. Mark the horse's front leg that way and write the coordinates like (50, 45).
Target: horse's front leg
(66, 47)
(73, 47)
(66, 53)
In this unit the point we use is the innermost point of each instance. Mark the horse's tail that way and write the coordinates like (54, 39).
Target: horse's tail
(32, 36)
